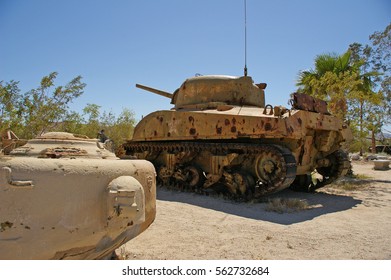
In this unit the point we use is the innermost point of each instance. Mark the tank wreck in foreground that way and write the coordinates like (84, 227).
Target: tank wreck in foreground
(66, 197)
(221, 136)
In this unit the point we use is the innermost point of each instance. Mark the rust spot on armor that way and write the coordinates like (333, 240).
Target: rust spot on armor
(308, 103)
(155, 133)
(227, 122)
(59, 152)
(168, 134)
(193, 131)
(218, 129)
(268, 127)
(191, 119)
(300, 121)
(233, 121)
(233, 129)
(5, 225)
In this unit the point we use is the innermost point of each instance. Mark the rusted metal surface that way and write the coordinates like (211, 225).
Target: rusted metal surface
(63, 152)
(222, 129)
(65, 197)
(10, 141)
(305, 102)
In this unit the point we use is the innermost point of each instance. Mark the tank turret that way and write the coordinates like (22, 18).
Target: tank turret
(221, 136)
(212, 91)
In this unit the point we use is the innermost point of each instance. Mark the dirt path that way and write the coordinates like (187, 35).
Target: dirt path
(340, 224)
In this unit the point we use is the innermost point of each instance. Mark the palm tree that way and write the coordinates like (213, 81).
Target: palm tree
(328, 81)
(342, 81)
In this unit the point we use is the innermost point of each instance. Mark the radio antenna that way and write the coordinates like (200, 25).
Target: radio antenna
(245, 38)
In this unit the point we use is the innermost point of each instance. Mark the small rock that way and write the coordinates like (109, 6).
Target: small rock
(355, 157)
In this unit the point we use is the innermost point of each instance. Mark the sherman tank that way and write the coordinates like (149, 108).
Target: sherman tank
(222, 137)
(64, 196)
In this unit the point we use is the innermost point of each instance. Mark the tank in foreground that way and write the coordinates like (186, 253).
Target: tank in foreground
(66, 197)
(221, 136)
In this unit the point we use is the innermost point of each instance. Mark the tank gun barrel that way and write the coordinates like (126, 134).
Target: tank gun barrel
(154, 90)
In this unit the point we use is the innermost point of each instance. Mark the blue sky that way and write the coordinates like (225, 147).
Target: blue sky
(115, 44)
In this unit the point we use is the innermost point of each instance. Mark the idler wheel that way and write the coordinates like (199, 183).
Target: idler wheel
(339, 165)
(270, 167)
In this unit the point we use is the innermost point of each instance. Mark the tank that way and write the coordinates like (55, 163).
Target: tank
(222, 137)
(64, 196)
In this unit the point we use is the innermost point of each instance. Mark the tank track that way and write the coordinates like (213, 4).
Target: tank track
(257, 187)
(340, 167)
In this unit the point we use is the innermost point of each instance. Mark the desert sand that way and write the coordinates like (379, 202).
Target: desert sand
(340, 223)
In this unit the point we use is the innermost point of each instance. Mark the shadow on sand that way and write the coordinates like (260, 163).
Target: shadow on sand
(320, 203)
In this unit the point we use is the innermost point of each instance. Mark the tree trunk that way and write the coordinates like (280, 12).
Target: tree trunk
(361, 128)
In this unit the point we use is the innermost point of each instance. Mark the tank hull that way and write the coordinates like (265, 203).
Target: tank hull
(72, 208)
(246, 124)
(238, 134)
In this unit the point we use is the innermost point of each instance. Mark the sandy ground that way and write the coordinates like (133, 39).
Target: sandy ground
(339, 224)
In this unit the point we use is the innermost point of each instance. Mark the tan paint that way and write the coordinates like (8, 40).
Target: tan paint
(225, 110)
(73, 207)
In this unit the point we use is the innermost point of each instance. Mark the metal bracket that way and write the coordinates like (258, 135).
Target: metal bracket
(126, 200)
(22, 184)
